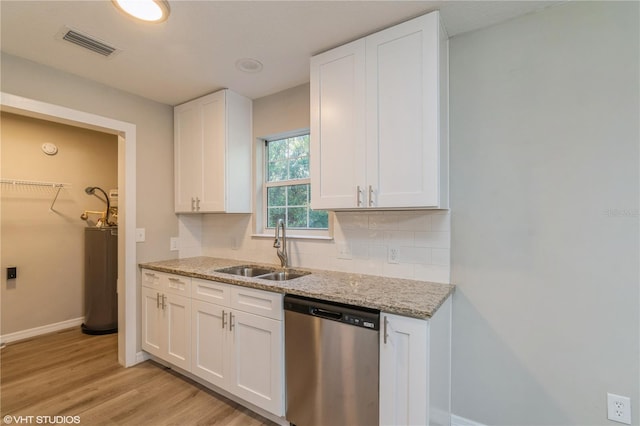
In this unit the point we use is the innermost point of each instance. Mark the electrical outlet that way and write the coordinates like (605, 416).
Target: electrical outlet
(344, 252)
(393, 256)
(619, 408)
(173, 244)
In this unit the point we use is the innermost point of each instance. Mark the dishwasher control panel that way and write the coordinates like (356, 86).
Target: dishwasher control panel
(347, 314)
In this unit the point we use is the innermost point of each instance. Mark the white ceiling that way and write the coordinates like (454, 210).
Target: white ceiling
(195, 51)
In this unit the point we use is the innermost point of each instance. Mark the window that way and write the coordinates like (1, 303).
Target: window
(286, 183)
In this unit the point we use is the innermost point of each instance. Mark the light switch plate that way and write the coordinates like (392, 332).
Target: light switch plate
(173, 244)
(140, 235)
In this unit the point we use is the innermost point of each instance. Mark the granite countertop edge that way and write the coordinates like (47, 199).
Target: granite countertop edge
(412, 298)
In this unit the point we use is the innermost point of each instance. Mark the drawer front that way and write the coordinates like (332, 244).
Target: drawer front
(176, 284)
(152, 279)
(211, 291)
(264, 303)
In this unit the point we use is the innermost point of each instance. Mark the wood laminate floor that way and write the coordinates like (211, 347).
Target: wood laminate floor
(72, 374)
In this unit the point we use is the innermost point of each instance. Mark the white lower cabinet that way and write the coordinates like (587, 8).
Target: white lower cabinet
(166, 326)
(229, 336)
(415, 369)
(239, 352)
(209, 332)
(257, 353)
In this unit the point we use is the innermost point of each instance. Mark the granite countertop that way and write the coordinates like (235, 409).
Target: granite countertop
(417, 299)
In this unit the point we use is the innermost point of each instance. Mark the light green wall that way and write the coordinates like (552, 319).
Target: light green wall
(545, 222)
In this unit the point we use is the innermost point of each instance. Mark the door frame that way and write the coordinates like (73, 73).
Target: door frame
(127, 272)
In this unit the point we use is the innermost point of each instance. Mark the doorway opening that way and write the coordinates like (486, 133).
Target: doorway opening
(126, 134)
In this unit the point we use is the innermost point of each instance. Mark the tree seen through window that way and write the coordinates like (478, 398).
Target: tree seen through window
(287, 185)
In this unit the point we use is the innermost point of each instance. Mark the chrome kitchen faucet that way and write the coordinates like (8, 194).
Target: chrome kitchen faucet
(282, 254)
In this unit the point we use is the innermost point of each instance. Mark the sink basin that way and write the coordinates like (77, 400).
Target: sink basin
(262, 273)
(246, 271)
(282, 275)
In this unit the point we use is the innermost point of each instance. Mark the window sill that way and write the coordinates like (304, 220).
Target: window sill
(295, 237)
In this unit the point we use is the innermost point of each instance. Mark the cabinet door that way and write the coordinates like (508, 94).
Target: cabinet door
(337, 127)
(403, 371)
(257, 375)
(209, 328)
(402, 114)
(188, 137)
(152, 322)
(213, 155)
(177, 313)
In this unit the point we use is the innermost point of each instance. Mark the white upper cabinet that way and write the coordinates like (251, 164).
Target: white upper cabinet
(338, 127)
(379, 120)
(212, 141)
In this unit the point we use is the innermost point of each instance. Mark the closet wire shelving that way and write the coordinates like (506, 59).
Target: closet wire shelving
(34, 183)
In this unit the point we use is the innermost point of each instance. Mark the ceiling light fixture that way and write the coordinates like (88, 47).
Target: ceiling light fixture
(146, 10)
(249, 65)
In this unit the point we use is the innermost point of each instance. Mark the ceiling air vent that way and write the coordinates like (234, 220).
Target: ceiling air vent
(86, 41)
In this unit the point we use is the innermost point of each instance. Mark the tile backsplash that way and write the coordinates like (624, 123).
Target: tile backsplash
(414, 245)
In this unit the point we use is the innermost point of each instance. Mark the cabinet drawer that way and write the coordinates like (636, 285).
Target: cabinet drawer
(211, 291)
(151, 279)
(176, 284)
(257, 302)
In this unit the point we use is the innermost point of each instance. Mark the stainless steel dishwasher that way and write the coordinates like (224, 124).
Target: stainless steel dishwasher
(331, 359)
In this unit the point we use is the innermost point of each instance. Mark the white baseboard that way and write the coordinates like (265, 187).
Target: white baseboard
(37, 331)
(461, 421)
(141, 357)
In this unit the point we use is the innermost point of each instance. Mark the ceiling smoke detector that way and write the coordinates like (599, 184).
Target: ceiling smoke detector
(86, 41)
(249, 65)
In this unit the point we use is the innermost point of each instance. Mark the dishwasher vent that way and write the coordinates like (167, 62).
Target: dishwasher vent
(86, 41)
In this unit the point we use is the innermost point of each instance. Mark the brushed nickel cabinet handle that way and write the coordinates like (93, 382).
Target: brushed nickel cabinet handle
(358, 194)
(231, 321)
(385, 330)
(193, 204)
(164, 302)
(197, 204)
(224, 319)
(158, 300)
(370, 196)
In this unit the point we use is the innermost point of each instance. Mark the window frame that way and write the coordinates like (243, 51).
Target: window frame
(262, 160)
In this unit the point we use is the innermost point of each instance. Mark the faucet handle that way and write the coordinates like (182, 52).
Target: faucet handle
(276, 243)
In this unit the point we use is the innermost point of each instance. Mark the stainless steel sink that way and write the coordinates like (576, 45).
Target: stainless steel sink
(246, 271)
(262, 273)
(283, 275)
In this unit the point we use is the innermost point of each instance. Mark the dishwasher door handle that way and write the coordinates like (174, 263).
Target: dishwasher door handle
(323, 313)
